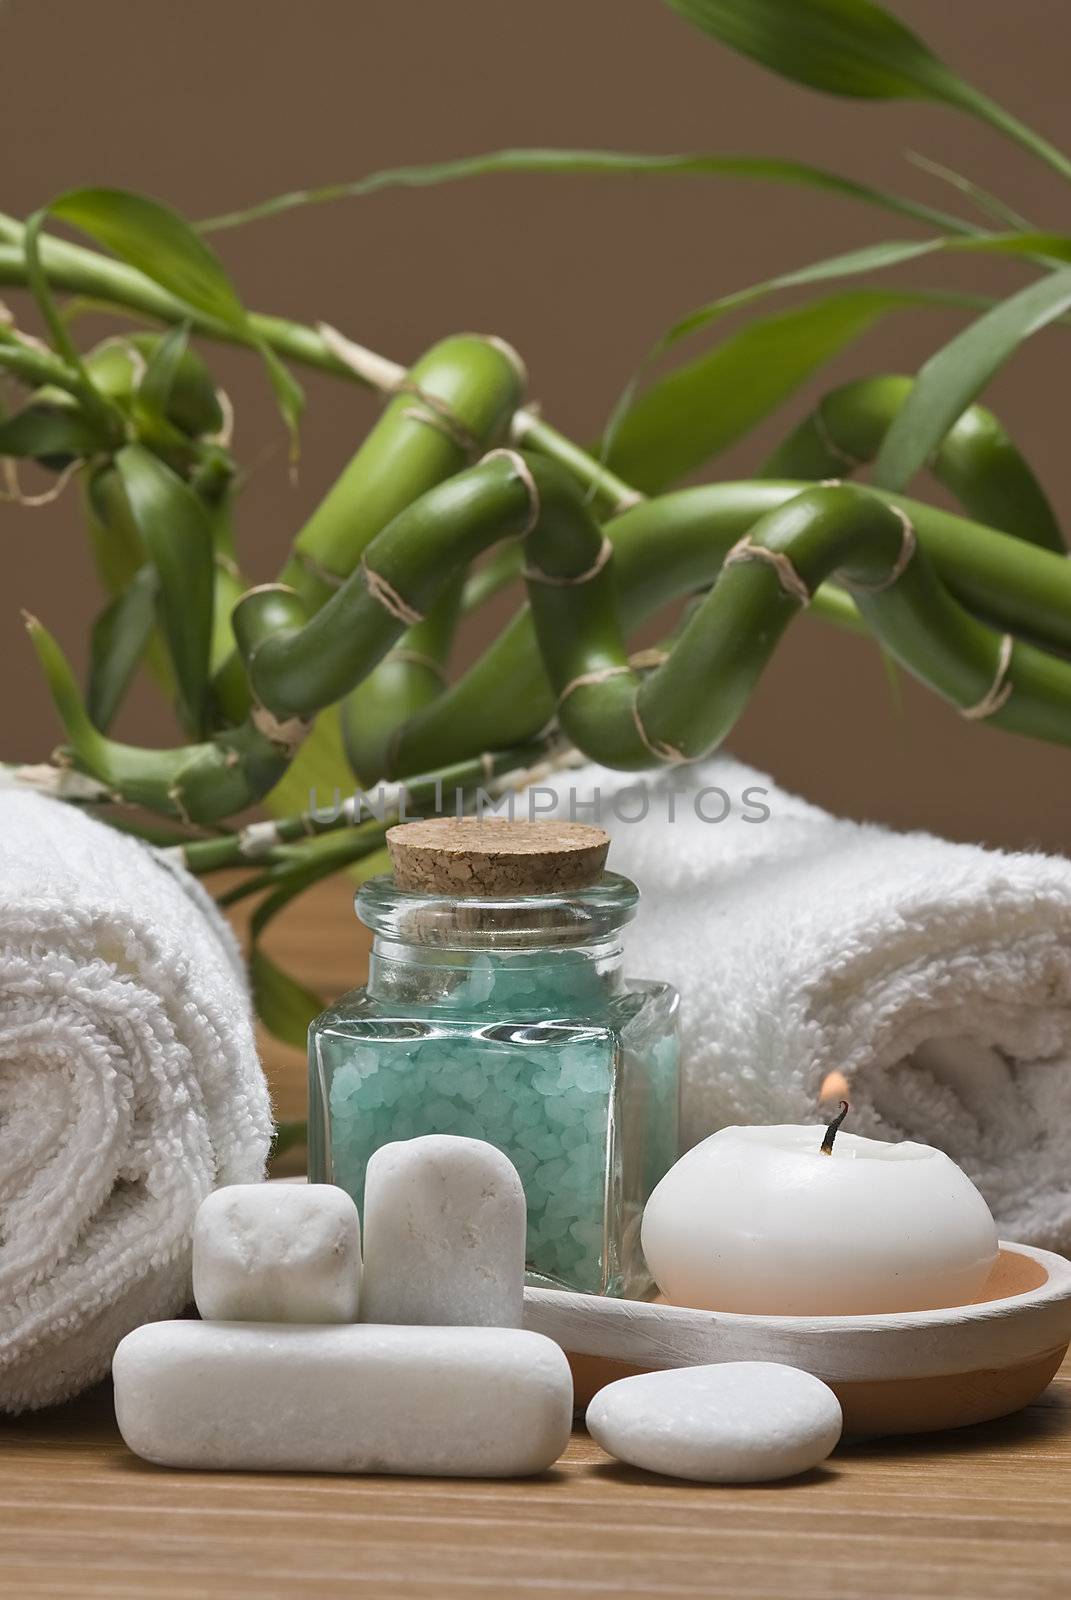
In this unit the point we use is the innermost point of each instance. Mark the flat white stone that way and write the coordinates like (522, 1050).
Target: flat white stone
(267, 1252)
(740, 1422)
(449, 1402)
(444, 1234)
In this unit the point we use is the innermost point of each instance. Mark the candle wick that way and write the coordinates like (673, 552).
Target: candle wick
(831, 1131)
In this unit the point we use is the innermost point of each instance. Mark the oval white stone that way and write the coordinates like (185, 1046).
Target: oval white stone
(277, 1252)
(449, 1402)
(444, 1234)
(740, 1422)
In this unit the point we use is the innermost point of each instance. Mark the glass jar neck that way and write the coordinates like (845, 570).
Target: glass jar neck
(545, 954)
(564, 981)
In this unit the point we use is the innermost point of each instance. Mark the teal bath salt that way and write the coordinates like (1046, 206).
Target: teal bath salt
(503, 1013)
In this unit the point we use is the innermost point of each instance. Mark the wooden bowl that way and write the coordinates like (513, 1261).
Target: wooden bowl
(897, 1372)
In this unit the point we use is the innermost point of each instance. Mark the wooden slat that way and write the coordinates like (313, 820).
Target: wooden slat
(983, 1513)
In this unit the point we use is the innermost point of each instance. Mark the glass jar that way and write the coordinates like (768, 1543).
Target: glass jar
(507, 1017)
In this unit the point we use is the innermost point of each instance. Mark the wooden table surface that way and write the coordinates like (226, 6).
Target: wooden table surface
(983, 1513)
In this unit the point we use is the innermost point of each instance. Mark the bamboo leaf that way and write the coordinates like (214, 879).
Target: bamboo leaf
(288, 1135)
(159, 243)
(162, 368)
(989, 204)
(289, 395)
(853, 263)
(193, 402)
(843, 47)
(871, 258)
(88, 743)
(178, 538)
(118, 641)
(591, 163)
(151, 403)
(853, 48)
(698, 410)
(284, 1006)
(48, 434)
(954, 377)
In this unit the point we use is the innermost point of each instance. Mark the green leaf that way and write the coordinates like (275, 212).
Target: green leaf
(179, 385)
(288, 1135)
(159, 243)
(284, 1006)
(118, 641)
(871, 258)
(88, 743)
(954, 377)
(989, 204)
(152, 401)
(698, 410)
(844, 47)
(43, 432)
(178, 538)
(853, 48)
(193, 402)
(289, 395)
(161, 370)
(854, 263)
(591, 163)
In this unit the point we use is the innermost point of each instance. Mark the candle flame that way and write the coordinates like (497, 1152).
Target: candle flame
(834, 1087)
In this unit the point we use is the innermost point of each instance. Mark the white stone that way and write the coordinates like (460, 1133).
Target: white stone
(740, 1422)
(444, 1234)
(450, 1402)
(267, 1252)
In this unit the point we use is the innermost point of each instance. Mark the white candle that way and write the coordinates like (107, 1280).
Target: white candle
(761, 1220)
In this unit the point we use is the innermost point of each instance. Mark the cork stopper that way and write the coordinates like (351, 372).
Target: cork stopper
(467, 856)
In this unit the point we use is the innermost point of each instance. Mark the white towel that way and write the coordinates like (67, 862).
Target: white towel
(935, 976)
(129, 1088)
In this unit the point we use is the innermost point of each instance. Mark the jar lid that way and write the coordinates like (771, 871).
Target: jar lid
(473, 856)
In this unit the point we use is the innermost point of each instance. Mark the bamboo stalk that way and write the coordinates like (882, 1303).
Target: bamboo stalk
(674, 546)
(687, 705)
(195, 783)
(455, 401)
(273, 841)
(411, 676)
(574, 630)
(609, 495)
(976, 459)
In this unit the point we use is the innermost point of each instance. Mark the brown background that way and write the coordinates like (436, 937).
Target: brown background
(209, 104)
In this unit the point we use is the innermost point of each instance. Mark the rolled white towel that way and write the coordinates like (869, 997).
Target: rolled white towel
(935, 976)
(129, 1088)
